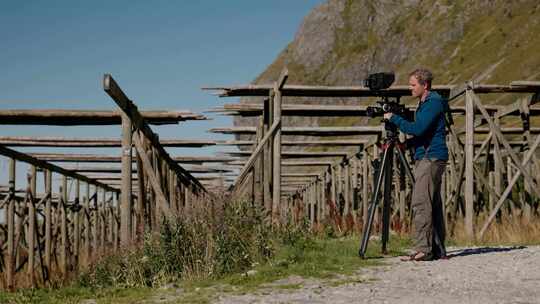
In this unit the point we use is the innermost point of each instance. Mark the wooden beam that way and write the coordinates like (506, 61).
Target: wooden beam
(293, 154)
(46, 165)
(130, 109)
(316, 91)
(97, 158)
(88, 117)
(249, 163)
(255, 109)
(341, 142)
(339, 131)
(16, 141)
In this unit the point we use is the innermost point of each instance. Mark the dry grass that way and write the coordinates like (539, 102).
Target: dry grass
(506, 230)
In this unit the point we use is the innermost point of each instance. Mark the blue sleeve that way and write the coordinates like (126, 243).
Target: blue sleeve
(424, 118)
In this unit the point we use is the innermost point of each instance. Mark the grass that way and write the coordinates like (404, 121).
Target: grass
(329, 259)
(75, 294)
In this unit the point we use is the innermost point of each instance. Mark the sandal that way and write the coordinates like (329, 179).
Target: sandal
(418, 256)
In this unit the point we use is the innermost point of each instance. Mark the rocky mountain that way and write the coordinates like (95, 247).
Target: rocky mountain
(341, 41)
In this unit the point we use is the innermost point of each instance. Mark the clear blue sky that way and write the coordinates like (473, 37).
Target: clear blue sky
(54, 54)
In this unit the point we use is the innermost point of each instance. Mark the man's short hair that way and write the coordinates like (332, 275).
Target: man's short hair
(424, 76)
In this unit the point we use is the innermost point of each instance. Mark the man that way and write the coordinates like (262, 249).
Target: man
(431, 154)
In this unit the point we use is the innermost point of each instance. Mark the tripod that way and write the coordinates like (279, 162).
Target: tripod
(384, 174)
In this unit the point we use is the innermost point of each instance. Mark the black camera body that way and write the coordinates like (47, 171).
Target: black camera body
(381, 81)
(387, 106)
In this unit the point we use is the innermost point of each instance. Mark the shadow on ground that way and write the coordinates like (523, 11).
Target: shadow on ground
(480, 250)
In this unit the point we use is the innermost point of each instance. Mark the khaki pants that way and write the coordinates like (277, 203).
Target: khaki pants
(427, 204)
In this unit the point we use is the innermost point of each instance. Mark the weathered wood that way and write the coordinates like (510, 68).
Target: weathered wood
(469, 163)
(316, 91)
(76, 228)
(268, 114)
(508, 189)
(355, 130)
(276, 146)
(45, 165)
(10, 257)
(115, 92)
(63, 228)
(511, 153)
(255, 109)
(103, 227)
(126, 199)
(87, 225)
(141, 197)
(340, 142)
(365, 185)
(258, 167)
(294, 154)
(333, 192)
(525, 120)
(17, 141)
(346, 188)
(160, 197)
(48, 219)
(319, 131)
(31, 226)
(260, 146)
(88, 117)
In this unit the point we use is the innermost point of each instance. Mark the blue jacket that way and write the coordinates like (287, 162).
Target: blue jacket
(428, 128)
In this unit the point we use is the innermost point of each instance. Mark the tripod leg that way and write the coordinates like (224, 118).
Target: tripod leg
(387, 198)
(373, 205)
(405, 165)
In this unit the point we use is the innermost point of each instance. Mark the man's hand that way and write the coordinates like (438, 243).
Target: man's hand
(387, 116)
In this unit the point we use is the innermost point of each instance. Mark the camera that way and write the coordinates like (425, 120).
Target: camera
(387, 106)
(380, 81)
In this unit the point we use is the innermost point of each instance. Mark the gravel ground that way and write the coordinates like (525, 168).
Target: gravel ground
(476, 275)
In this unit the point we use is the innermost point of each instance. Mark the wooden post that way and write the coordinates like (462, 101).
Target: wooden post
(333, 186)
(339, 189)
(305, 200)
(312, 199)
(346, 187)
(10, 265)
(125, 209)
(111, 209)
(141, 197)
(276, 172)
(87, 225)
(76, 228)
(63, 227)
(492, 198)
(355, 193)
(323, 202)
(95, 215)
(267, 166)
(116, 230)
(469, 161)
(365, 185)
(48, 219)
(525, 119)
(103, 221)
(258, 167)
(32, 226)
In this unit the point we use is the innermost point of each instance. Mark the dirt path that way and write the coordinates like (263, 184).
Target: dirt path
(479, 275)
